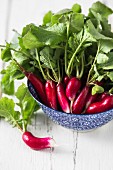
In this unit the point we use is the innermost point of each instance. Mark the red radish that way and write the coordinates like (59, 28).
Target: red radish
(105, 104)
(90, 99)
(72, 88)
(80, 102)
(102, 95)
(37, 143)
(63, 101)
(36, 82)
(39, 86)
(66, 80)
(51, 93)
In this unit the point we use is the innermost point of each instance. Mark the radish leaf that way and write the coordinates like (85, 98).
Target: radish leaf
(7, 111)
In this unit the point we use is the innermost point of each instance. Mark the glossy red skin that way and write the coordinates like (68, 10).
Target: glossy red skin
(90, 99)
(39, 86)
(51, 93)
(66, 80)
(72, 88)
(104, 105)
(102, 96)
(63, 101)
(35, 142)
(80, 101)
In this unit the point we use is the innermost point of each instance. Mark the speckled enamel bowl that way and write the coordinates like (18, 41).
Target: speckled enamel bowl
(74, 121)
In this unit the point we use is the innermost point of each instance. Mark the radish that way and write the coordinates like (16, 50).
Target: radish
(63, 101)
(80, 102)
(102, 96)
(36, 82)
(72, 88)
(66, 80)
(103, 105)
(39, 86)
(36, 143)
(90, 99)
(51, 93)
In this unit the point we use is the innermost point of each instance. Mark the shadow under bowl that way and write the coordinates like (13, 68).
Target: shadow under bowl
(79, 122)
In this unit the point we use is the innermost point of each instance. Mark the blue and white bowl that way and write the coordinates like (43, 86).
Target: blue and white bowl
(77, 122)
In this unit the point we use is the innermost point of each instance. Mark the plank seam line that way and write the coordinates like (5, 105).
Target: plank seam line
(75, 151)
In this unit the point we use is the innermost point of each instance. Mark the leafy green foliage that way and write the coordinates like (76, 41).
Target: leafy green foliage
(77, 22)
(38, 37)
(11, 73)
(102, 9)
(27, 104)
(8, 112)
(76, 8)
(6, 55)
(27, 107)
(46, 57)
(47, 18)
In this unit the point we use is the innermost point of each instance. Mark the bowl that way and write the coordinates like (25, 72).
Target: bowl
(79, 122)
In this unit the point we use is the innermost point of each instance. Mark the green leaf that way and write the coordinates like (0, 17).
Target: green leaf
(7, 85)
(76, 8)
(6, 54)
(38, 37)
(46, 57)
(26, 102)
(108, 65)
(20, 58)
(26, 29)
(106, 45)
(110, 75)
(102, 58)
(77, 22)
(111, 91)
(94, 32)
(21, 92)
(102, 9)
(97, 89)
(55, 19)
(7, 111)
(64, 11)
(59, 29)
(9, 75)
(47, 18)
(30, 41)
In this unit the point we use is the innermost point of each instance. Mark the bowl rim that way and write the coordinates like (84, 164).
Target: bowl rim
(71, 114)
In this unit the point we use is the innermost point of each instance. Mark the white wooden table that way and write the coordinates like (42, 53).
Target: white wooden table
(77, 151)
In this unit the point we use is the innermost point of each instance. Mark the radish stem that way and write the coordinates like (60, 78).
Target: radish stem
(68, 25)
(72, 58)
(90, 71)
(37, 57)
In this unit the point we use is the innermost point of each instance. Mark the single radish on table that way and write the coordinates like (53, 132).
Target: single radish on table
(101, 106)
(51, 93)
(63, 101)
(80, 101)
(37, 143)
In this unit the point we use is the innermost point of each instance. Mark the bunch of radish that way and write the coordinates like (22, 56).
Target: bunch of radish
(69, 96)
(68, 60)
(72, 99)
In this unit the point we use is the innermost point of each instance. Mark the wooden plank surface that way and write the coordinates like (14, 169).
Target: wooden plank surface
(76, 151)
